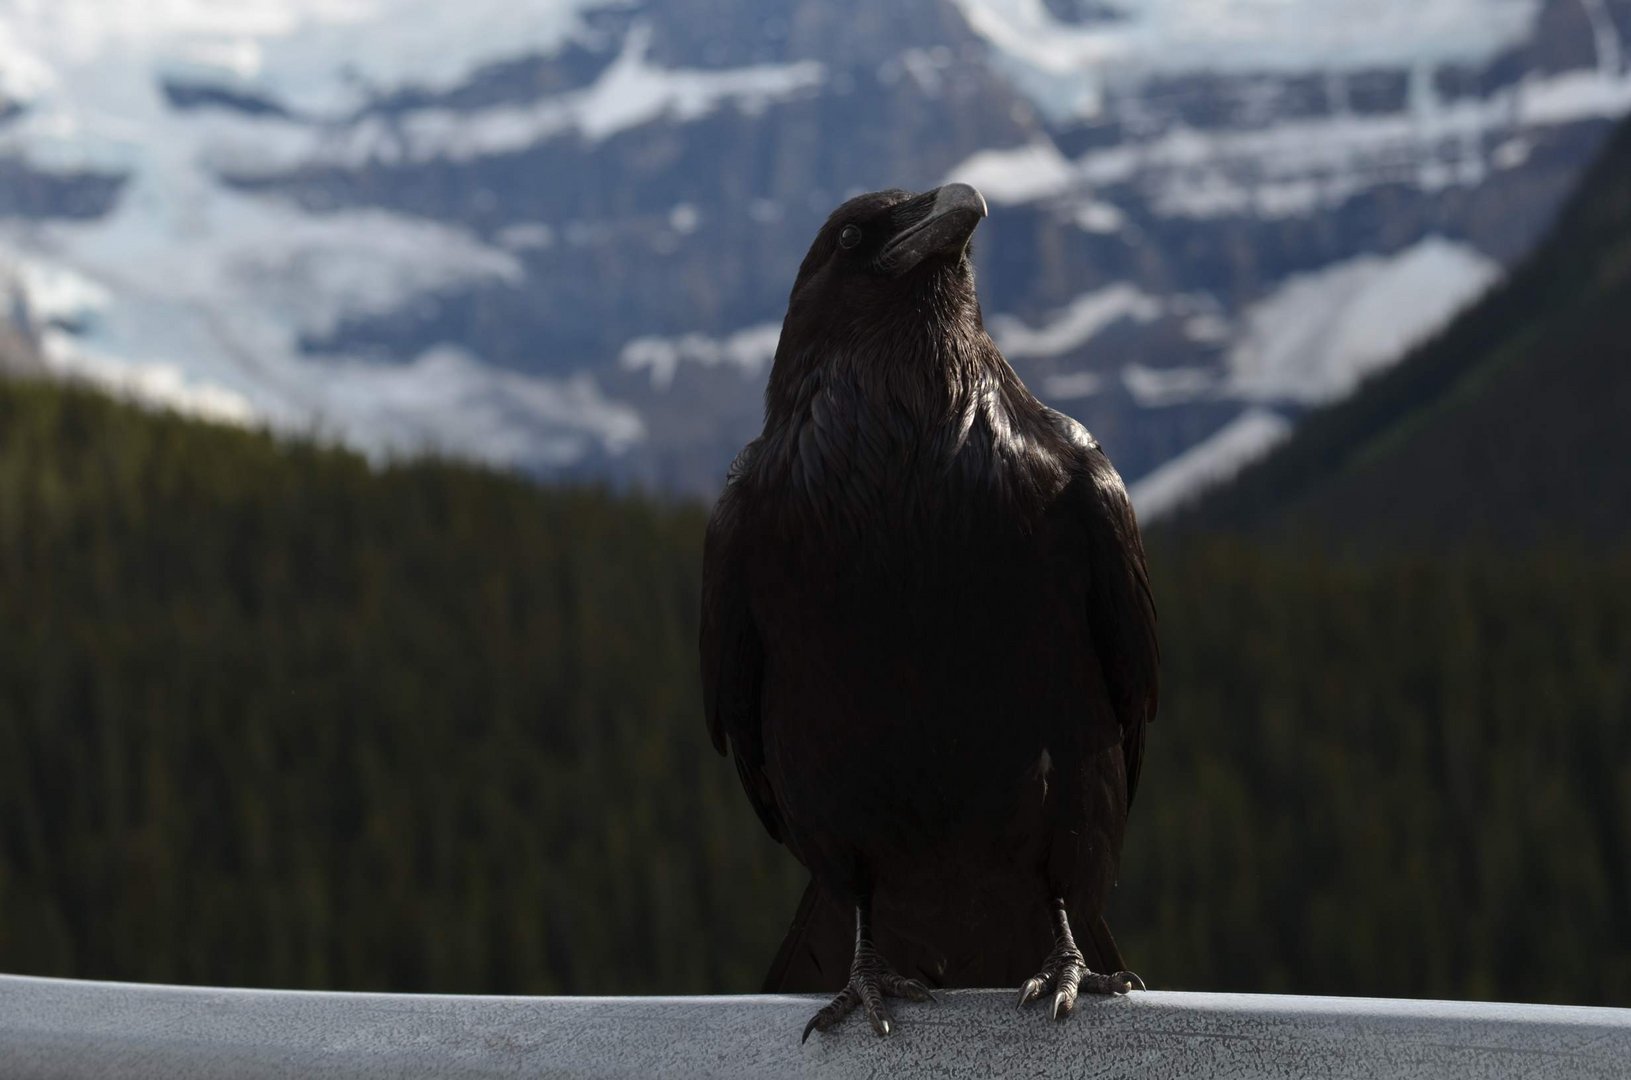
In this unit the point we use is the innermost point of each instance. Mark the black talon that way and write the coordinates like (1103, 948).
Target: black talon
(1065, 971)
(871, 980)
(910, 989)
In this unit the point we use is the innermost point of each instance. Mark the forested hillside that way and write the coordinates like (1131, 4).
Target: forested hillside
(269, 716)
(1507, 430)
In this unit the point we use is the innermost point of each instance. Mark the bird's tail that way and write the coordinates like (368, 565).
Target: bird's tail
(1100, 948)
(815, 955)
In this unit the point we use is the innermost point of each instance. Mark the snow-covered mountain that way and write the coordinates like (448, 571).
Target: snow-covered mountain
(559, 233)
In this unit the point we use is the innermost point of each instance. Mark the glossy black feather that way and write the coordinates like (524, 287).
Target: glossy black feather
(927, 632)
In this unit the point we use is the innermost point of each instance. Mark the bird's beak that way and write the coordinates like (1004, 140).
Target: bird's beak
(938, 222)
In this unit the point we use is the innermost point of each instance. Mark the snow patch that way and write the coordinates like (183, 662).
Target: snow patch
(45, 293)
(1157, 387)
(1018, 174)
(632, 92)
(1243, 440)
(925, 67)
(1512, 153)
(750, 350)
(1072, 385)
(23, 74)
(156, 384)
(448, 400)
(1070, 329)
(1298, 168)
(1065, 68)
(1208, 329)
(684, 218)
(321, 56)
(1572, 96)
(629, 93)
(1099, 217)
(1319, 334)
(445, 400)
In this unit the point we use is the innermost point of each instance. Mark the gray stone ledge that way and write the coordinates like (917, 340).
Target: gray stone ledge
(62, 1028)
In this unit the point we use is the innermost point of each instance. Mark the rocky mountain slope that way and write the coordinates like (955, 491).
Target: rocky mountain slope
(559, 233)
(1506, 431)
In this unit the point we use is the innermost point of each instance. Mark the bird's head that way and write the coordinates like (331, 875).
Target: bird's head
(887, 267)
(875, 243)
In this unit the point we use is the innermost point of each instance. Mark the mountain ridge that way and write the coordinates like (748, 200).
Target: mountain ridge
(558, 243)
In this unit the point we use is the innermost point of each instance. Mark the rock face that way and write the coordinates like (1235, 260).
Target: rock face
(559, 234)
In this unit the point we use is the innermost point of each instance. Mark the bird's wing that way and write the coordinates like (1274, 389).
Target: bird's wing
(1120, 607)
(732, 654)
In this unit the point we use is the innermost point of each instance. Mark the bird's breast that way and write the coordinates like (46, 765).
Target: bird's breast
(922, 631)
(917, 665)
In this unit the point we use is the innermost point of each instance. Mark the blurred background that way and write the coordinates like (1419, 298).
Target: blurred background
(367, 366)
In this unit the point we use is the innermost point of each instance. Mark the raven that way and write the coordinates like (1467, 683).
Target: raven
(927, 634)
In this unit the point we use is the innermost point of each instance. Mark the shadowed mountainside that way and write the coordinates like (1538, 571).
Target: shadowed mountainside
(1508, 429)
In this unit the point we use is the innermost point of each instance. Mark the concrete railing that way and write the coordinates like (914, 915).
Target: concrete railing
(62, 1029)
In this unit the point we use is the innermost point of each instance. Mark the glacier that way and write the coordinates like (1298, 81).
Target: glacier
(557, 234)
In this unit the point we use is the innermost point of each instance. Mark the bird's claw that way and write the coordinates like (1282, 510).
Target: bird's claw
(869, 984)
(1066, 974)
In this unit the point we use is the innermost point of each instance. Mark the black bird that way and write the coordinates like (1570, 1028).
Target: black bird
(927, 634)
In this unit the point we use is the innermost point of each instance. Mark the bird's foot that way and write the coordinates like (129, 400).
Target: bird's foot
(871, 980)
(1065, 974)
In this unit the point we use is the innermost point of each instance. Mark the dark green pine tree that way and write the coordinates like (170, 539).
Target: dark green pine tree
(269, 716)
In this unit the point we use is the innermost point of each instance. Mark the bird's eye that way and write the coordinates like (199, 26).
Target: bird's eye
(849, 237)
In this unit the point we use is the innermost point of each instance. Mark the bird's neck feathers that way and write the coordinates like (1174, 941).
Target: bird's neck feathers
(904, 399)
(923, 360)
